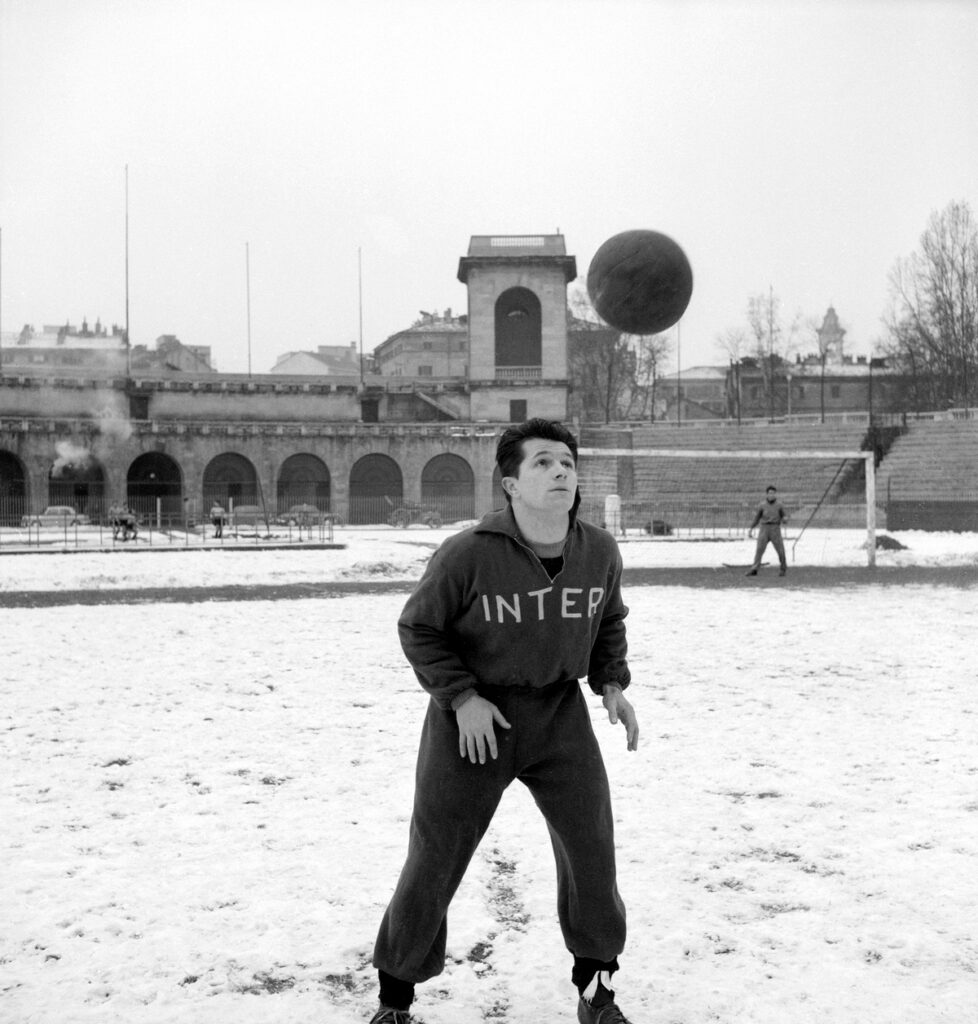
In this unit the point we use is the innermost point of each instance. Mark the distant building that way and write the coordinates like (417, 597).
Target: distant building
(435, 345)
(830, 337)
(172, 355)
(692, 393)
(65, 346)
(327, 360)
(824, 383)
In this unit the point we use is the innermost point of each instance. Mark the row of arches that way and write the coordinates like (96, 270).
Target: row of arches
(156, 485)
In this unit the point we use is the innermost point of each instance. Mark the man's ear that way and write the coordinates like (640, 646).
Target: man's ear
(510, 483)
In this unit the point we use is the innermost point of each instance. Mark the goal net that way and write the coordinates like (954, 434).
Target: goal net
(714, 493)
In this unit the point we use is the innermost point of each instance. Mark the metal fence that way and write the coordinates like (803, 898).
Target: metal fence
(126, 531)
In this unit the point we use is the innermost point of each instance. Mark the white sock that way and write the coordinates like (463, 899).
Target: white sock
(604, 977)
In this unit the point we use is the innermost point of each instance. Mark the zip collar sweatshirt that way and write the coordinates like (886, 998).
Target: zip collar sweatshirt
(486, 613)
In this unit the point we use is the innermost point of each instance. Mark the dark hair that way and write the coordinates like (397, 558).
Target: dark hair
(509, 450)
(771, 487)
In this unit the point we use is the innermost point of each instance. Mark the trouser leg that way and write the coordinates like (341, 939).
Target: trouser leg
(762, 539)
(778, 542)
(453, 805)
(570, 786)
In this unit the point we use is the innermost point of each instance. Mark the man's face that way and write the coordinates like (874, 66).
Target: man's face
(772, 495)
(547, 478)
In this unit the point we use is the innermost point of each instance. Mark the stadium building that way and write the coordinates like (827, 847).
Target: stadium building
(87, 424)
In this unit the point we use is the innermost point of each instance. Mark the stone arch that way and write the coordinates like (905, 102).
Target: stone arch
(448, 484)
(13, 489)
(518, 329)
(230, 478)
(376, 486)
(155, 483)
(77, 479)
(303, 480)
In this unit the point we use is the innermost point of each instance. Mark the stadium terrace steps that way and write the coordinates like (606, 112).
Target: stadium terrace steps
(935, 460)
(687, 489)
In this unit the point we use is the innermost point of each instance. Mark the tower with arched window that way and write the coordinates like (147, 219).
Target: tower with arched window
(517, 289)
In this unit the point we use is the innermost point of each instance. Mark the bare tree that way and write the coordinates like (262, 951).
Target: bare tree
(652, 352)
(767, 342)
(734, 343)
(932, 320)
(601, 362)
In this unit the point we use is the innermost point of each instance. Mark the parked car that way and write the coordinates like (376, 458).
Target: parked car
(307, 515)
(300, 515)
(247, 515)
(57, 515)
(407, 512)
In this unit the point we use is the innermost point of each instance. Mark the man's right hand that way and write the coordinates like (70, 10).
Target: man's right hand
(475, 729)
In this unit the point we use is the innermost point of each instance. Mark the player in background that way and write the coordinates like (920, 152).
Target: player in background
(768, 518)
(509, 615)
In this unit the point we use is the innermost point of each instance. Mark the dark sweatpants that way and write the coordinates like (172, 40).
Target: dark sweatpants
(552, 749)
(769, 533)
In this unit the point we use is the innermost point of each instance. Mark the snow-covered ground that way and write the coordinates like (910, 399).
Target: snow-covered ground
(205, 805)
(363, 553)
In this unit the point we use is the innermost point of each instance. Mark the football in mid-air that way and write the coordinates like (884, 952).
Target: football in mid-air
(640, 282)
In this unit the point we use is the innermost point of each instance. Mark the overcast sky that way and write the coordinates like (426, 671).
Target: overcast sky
(796, 146)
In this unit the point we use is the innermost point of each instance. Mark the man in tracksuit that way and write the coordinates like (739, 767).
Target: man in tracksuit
(769, 516)
(508, 616)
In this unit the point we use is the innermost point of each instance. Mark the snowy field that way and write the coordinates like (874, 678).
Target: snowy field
(205, 804)
(363, 553)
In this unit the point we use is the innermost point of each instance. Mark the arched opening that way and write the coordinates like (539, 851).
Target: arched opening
(518, 331)
(230, 479)
(376, 488)
(76, 479)
(13, 490)
(154, 485)
(303, 480)
(448, 484)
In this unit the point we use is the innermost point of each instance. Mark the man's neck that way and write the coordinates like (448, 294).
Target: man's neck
(541, 528)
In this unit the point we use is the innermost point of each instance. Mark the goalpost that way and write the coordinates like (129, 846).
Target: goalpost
(829, 456)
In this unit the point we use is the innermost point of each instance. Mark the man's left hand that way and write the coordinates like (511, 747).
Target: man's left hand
(619, 708)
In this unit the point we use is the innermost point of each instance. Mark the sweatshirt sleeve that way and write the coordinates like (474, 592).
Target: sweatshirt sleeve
(425, 632)
(608, 665)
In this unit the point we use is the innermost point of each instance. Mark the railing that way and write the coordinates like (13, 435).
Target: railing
(519, 372)
(223, 428)
(169, 531)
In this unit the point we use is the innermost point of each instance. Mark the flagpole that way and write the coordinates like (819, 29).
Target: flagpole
(248, 300)
(128, 346)
(1, 302)
(360, 304)
(679, 373)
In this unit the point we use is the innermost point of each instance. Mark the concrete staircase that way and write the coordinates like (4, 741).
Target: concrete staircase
(929, 478)
(702, 491)
(932, 460)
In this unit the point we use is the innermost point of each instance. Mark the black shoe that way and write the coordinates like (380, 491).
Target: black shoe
(606, 1012)
(782, 572)
(386, 1015)
(751, 572)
